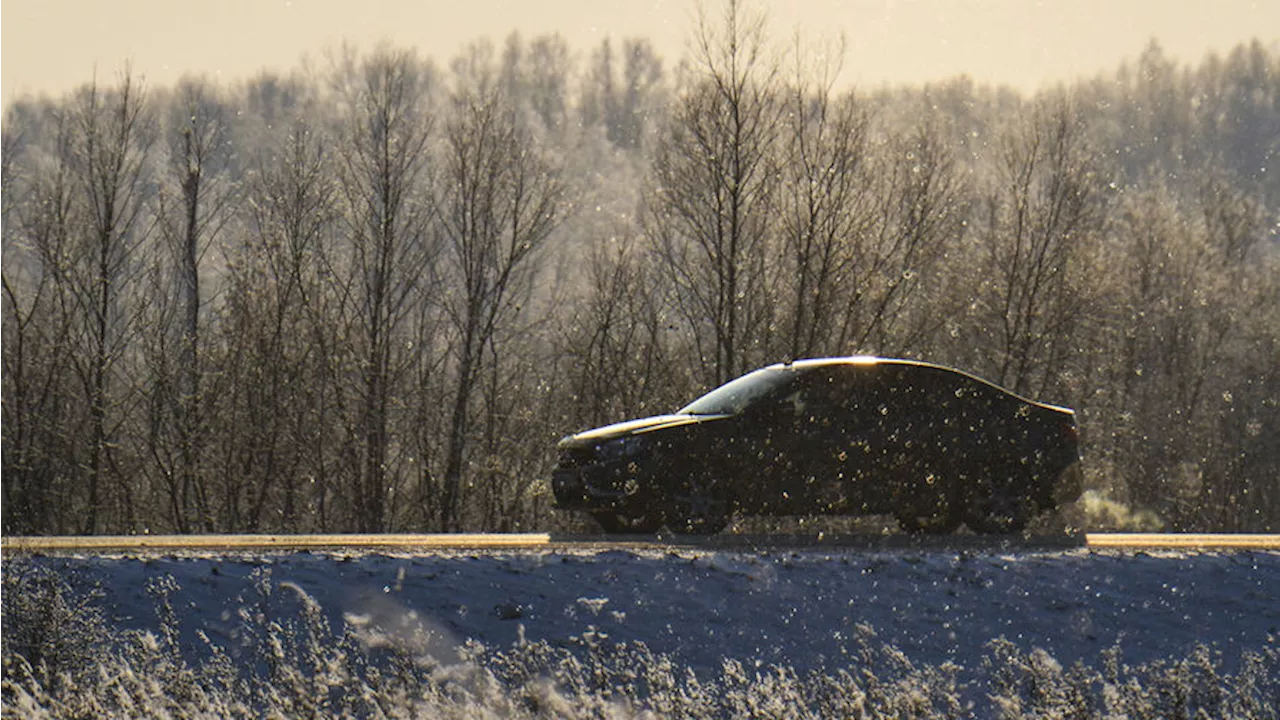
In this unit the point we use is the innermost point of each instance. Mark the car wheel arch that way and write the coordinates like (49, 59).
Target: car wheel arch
(698, 499)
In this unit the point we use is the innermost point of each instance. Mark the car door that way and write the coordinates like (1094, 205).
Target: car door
(814, 446)
(860, 423)
(793, 440)
(890, 428)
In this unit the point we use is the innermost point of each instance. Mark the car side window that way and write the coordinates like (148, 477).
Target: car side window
(955, 399)
(817, 398)
(896, 393)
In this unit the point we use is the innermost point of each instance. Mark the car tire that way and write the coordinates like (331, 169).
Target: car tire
(617, 524)
(941, 521)
(921, 512)
(698, 506)
(999, 511)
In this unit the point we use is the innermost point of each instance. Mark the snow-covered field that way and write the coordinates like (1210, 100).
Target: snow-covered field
(704, 613)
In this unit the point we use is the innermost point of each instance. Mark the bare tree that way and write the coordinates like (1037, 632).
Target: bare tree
(37, 218)
(826, 207)
(111, 141)
(1037, 224)
(193, 205)
(384, 179)
(615, 344)
(280, 348)
(596, 91)
(548, 82)
(1195, 287)
(713, 176)
(918, 217)
(10, 147)
(626, 106)
(42, 411)
(499, 202)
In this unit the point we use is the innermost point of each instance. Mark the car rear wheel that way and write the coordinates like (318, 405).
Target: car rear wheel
(617, 524)
(698, 506)
(929, 521)
(1000, 511)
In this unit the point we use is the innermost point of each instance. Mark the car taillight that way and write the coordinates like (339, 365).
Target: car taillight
(1073, 434)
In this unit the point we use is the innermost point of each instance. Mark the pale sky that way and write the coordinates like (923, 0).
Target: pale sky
(52, 46)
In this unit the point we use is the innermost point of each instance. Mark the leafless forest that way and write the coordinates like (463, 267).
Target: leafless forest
(370, 295)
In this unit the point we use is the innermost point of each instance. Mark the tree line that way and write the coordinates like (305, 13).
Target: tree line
(371, 294)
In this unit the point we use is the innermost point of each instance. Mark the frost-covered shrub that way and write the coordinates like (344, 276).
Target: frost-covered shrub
(1194, 687)
(625, 679)
(1034, 685)
(52, 631)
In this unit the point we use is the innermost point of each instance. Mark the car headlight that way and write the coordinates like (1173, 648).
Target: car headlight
(620, 448)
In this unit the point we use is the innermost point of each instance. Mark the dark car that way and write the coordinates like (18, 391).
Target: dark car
(933, 446)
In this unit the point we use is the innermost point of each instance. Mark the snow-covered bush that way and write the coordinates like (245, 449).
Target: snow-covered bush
(51, 633)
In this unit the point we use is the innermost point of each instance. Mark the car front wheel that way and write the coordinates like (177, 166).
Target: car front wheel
(617, 524)
(698, 506)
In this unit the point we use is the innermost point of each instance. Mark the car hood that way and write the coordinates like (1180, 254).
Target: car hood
(635, 427)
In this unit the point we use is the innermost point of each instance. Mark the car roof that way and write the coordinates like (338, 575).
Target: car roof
(808, 363)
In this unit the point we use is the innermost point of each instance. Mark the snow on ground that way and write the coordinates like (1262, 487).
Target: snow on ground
(792, 608)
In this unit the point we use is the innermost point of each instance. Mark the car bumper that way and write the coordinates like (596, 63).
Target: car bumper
(609, 485)
(1069, 486)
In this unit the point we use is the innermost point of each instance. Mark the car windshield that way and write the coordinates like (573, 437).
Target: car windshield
(735, 396)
